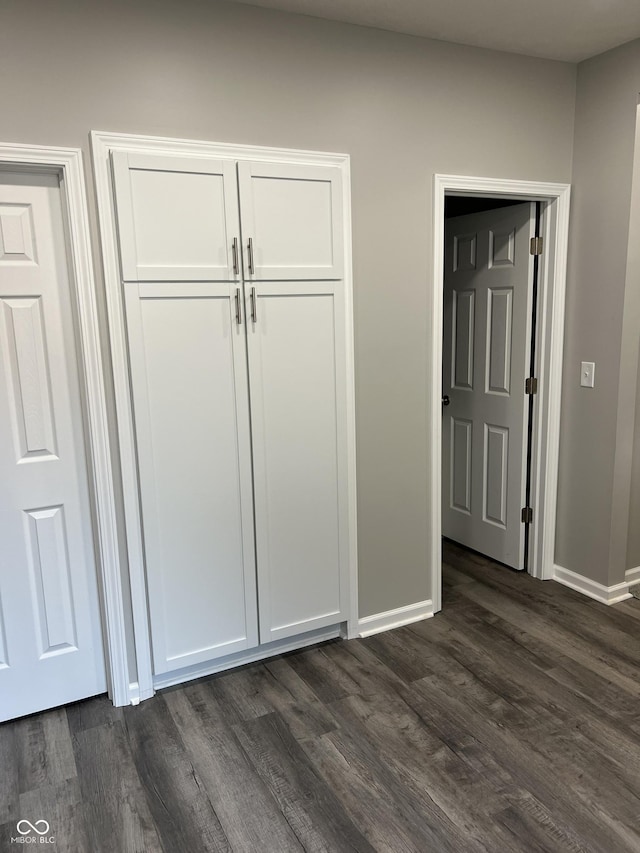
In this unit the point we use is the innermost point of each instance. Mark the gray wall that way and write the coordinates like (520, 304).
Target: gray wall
(597, 425)
(402, 107)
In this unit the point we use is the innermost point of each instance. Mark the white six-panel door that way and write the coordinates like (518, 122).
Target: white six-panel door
(487, 311)
(50, 636)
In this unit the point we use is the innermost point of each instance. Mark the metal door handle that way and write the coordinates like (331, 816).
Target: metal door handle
(445, 400)
(250, 254)
(234, 249)
(238, 309)
(254, 309)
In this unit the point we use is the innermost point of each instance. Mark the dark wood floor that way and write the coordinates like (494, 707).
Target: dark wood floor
(510, 722)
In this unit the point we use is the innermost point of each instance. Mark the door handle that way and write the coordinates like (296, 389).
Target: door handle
(234, 249)
(254, 308)
(445, 400)
(250, 255)
(238, 308)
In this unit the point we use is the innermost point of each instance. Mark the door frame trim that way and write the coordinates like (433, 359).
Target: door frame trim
(552, 288)
(67, 164)
(102, 144)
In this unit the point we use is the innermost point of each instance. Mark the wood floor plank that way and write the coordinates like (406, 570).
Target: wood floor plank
(387, 814)
(182, 811)
(245, 808)
(97, 711)
(423, 764)
(9, 774)
(61, 805)
(528, 769)
(311, 808)
(116, 813)
(45, 752)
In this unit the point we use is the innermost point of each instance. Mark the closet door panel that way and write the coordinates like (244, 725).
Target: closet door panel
(177, 217)
(188, 366)
(298, 415)
(292, 214)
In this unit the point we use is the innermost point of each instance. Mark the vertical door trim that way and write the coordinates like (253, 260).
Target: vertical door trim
(102, 144)
(550, 343)
(67, 163)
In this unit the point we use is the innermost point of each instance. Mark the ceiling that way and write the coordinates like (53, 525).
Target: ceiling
(569, 30)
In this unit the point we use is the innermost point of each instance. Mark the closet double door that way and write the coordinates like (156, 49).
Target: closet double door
(232, 275)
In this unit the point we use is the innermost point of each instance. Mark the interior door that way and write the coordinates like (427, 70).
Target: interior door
(51, 648)
(298, 420)
(292, 224)
(487, 331)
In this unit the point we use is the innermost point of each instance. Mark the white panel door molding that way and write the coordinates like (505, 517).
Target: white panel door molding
(298, 417)
(50, 633)
(487, 331)
(555, 199)
(291, 221)
(320, 209)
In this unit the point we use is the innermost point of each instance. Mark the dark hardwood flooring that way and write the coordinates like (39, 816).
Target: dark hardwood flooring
(510, 722)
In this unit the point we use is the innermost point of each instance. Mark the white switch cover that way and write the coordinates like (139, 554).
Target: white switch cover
(587, 374)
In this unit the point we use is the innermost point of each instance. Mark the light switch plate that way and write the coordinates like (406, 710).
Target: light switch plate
(587, 374)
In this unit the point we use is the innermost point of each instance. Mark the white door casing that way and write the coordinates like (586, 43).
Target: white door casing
(487, 331)
(555, 199)
(51, 646)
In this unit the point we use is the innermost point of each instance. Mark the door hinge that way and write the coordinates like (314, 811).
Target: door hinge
(527, 515)
(536, 246)
(531, 385)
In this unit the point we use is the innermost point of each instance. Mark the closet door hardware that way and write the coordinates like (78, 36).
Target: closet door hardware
(234, 249)
(250, 253)
(238, 309)
(254, 309)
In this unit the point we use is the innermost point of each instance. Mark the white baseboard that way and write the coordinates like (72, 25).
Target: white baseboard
(632, 576)
(369, 625)
(136, 695)
(605, 594)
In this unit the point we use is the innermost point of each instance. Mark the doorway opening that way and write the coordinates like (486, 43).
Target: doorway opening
(498, 317)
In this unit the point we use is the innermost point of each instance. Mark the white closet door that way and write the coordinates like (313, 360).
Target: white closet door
(298, 417)
(177, 217)
(292, 224)
(190, 396)
(50, 627)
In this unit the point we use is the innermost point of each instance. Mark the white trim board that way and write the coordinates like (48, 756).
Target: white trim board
(67, 163)
(549, 360)
(632, 576)
(604, 594)
(379, 622)
(103, 144)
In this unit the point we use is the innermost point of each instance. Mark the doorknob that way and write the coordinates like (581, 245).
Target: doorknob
(445, 400)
